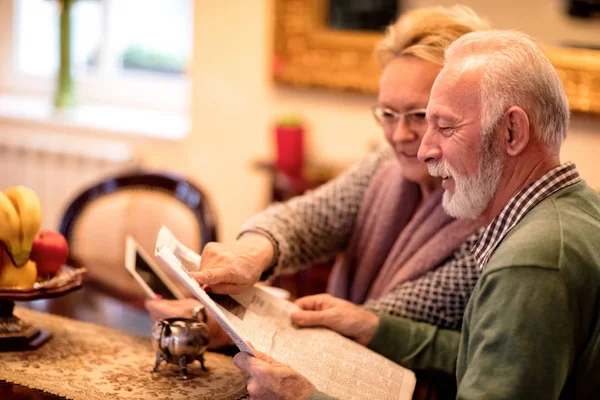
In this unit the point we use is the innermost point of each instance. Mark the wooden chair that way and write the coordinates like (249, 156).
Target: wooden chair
(97, 221)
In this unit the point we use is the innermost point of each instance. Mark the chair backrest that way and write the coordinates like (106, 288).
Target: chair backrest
(97, 221)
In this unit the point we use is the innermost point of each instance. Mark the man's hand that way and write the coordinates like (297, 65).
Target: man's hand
(338, 315)
(271, 380)
(230, 268)
(163, 309)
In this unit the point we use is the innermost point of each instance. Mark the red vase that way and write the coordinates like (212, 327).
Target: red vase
(290, 150)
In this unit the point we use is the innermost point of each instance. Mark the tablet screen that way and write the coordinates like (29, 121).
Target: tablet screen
(151, 279)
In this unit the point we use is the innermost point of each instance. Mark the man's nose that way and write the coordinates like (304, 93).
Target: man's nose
(429, 149)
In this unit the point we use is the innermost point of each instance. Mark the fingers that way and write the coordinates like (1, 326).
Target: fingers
(310, 302)
(157, 309)
(251, 364)
(255, 390)
(150, 303)
(262, 356)
(317, 302)
(248, 363)
(251, 367)
(209, 251)
(220, 281)
(241, 360)
(213, 276)
(228, 288)
(314, 318)
(231, 268)
(161, 309)
(270, 379)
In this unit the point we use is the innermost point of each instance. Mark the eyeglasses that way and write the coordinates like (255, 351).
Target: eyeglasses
(388, 119)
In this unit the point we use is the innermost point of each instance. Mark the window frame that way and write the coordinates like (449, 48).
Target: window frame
(129, 89)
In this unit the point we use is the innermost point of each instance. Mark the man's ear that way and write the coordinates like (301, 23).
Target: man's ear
(516, 130)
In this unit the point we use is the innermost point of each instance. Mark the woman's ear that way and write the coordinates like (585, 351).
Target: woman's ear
(516, 130)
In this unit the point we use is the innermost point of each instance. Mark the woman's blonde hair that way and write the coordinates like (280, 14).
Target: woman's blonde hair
(427, 32)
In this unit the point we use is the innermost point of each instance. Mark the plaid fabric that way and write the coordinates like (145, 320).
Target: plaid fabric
(440, 296)
(555, 180)
(319, 225)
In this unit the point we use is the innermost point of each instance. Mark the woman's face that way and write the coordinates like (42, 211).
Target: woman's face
(403, 95)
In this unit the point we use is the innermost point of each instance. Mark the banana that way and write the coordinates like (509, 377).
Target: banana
(29, 210)
(10, 225)
(16, 277)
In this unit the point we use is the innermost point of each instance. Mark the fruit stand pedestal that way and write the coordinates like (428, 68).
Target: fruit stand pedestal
(17, 334)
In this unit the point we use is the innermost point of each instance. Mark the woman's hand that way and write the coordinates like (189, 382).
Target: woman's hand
(230, 268)
(338, 315)
(163, 309)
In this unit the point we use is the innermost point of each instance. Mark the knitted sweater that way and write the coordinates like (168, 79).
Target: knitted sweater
(319, 225)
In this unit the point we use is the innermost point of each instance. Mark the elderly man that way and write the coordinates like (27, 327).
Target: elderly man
(497, 117)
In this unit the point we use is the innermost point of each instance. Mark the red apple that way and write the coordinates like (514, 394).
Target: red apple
(49, 251)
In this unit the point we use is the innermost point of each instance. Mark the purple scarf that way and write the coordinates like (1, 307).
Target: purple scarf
(393, 241)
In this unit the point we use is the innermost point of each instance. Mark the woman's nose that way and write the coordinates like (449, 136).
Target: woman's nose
(402, 133)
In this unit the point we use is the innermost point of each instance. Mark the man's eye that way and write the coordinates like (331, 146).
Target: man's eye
(388, 115)
(446, 131)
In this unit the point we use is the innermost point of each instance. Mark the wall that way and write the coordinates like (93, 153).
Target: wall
(234, 104)
(583, 146)
(544, 19)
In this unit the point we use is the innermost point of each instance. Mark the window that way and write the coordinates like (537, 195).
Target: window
(132, 52)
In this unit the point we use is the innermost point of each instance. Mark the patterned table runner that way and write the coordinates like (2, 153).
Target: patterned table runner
(87, 361)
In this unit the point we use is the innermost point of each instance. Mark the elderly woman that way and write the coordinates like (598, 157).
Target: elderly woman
(399, 253)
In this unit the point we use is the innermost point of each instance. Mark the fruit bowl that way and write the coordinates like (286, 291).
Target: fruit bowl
(16, 334)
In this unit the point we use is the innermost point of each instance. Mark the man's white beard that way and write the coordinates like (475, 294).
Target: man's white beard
(472, 195)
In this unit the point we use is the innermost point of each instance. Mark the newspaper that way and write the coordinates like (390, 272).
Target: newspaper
(335, 364)
(188, 257)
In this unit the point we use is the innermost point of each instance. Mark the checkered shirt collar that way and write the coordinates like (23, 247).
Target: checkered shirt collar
(557, 179)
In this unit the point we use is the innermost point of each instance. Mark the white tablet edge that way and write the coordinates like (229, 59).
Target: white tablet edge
(131, 247)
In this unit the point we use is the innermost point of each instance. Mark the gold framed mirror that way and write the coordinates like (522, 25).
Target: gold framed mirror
(308, 53)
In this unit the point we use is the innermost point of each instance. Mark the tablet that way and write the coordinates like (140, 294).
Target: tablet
(148, 273)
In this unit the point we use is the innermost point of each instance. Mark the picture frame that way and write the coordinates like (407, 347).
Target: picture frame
(307, 53)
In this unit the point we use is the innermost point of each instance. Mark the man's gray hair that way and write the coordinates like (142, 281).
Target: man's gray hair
(516, 73)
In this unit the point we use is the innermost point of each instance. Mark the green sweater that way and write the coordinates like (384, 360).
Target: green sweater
(532, 327)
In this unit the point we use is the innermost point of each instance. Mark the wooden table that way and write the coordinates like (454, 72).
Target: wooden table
(90, 304)
(17, 392)
(424, 391)
(84, 305)
(88, 362)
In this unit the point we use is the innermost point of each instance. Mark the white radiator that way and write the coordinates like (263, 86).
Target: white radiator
(57, 167)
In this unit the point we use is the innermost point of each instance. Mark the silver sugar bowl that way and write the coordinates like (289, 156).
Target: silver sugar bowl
(179, 341)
